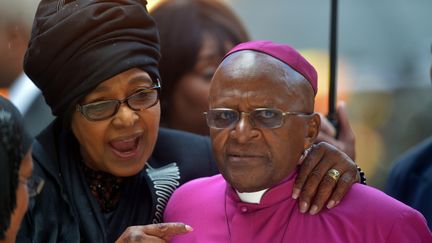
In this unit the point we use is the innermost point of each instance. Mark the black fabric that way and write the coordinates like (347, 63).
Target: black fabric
(133, 208)
(66, 211)
(76, 46)
(106, 188)
(410, 179)
(15, 142)
(38, 116)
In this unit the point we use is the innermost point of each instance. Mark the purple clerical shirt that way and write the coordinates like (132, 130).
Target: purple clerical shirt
(217, 214)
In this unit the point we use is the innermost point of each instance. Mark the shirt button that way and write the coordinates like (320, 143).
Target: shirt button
(244, 209)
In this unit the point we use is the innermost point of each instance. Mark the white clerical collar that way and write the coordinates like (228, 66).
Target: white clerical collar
(251, 197)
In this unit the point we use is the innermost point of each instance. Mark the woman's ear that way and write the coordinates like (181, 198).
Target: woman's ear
(312, 130)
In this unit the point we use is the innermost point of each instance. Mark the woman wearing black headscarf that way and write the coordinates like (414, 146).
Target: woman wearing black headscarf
(96, 65)
(15, 170)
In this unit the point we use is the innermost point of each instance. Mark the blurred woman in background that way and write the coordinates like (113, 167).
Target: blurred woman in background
(194, 36)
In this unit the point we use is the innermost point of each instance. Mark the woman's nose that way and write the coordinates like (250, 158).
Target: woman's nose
(125, 116)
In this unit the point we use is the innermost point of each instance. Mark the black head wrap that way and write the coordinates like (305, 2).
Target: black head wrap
(14, 144)
(76, 45)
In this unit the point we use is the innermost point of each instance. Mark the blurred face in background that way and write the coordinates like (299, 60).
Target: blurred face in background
(13, 43)
(190, 98)
(194, 37)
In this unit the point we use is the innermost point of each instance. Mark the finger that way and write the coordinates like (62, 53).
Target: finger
(307, 165)
(326, 127)
(136, 234)
(311, 185)
(324, 191)
(322, 165)
(167, 230)
(344, 184)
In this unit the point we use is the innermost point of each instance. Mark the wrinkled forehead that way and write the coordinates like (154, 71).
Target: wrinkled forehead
(247, 68)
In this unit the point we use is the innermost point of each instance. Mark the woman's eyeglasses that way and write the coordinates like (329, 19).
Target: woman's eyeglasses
(101, 110)
(221, 118)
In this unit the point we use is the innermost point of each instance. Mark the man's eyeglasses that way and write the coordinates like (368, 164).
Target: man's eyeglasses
(221, 118)
(101, 110)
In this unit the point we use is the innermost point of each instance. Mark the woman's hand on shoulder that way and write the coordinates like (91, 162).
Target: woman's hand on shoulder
(325, 176)
(153, 233)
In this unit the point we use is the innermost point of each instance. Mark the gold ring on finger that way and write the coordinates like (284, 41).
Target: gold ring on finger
(334, 174)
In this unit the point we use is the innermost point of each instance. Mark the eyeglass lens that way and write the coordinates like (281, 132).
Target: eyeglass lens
(226, 118)
(104, 109)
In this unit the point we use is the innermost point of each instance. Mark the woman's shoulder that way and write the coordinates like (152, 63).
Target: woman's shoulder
(170, 136)
(191, 153)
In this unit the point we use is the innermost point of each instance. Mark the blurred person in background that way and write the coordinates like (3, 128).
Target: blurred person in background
(108, 168)
(16, 17)
(16, 166)
(194, 36)
(410, 179)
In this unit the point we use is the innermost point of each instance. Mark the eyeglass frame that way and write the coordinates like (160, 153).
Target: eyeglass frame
(240, 115)
(80, 107)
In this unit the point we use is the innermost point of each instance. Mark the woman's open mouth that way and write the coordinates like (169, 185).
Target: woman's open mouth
(126, 147)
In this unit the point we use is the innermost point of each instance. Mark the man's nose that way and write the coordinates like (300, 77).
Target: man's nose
(244, 129)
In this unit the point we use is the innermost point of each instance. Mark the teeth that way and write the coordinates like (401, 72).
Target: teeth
(124, 145)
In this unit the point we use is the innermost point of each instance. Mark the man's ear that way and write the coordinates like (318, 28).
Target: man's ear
(312, 130)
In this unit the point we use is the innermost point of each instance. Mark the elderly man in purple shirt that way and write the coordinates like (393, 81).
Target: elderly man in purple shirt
(262, 123)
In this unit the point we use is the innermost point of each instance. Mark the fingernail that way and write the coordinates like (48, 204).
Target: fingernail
(188, 228)
(331, 204)
(314, 210)
(295, 193)
(303, 207)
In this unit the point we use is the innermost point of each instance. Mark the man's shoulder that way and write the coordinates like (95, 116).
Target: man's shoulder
(199, 195)
(411, 173)
(416, 160)
(372, 204)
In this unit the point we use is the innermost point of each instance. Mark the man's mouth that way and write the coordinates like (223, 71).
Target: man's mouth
(238, 157)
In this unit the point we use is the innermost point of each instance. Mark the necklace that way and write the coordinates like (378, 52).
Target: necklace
(104, 187)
